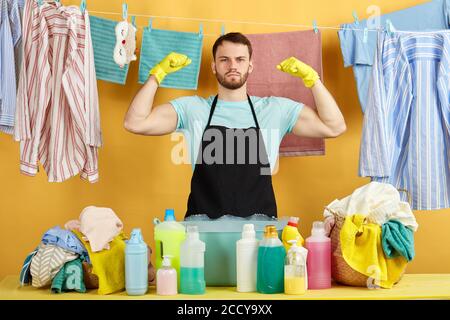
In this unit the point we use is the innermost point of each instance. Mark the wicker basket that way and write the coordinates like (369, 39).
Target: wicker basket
(341, 272)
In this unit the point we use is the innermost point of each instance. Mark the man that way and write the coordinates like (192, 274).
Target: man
(232, 178)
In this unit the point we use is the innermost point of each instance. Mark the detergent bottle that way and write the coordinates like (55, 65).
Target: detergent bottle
(290, 232)
(168, 235)
(319, 257)
(136, 264)
(166, 278)
(246, 260)
(295, 275)
(192, 263)
(270, 269)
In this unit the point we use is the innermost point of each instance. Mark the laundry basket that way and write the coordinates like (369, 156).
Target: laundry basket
(341, 272)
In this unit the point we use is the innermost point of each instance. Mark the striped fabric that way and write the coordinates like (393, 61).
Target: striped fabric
(57, 117)
(25, 275)
(47, 262)
(406, 132)
(10, 33)
(156, 44)
(103, 42)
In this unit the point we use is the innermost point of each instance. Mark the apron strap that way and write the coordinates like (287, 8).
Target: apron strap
(213, 107)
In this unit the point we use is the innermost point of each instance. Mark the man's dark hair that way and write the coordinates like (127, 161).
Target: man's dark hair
(235, 37)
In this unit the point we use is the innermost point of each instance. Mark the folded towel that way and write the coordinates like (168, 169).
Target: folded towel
(65, 239)
(397, 240)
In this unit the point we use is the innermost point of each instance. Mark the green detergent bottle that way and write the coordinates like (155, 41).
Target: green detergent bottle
(168, 235)
(270, 269)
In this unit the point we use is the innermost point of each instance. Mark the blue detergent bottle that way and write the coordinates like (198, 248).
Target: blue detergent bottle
(136, 264)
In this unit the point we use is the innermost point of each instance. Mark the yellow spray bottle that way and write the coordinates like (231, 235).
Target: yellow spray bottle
(290, 232)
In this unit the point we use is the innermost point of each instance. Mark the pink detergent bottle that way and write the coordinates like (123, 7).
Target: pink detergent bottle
(319, 258)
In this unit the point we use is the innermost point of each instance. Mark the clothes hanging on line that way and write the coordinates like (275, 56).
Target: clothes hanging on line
(10, 35)
(358, 51)
(57, 118)
(156, 44)
(406, 131)
(103, 41)
(266, 80)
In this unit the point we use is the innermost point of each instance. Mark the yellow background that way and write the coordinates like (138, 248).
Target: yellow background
(137, 178)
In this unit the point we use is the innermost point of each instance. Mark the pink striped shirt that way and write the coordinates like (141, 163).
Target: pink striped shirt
(57, 113)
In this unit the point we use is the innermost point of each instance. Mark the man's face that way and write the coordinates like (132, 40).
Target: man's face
(232, 65)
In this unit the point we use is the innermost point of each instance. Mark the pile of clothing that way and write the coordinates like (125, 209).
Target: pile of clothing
(89, 253)
(372, 236)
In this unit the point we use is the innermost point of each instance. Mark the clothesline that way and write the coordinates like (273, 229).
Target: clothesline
(258, 23)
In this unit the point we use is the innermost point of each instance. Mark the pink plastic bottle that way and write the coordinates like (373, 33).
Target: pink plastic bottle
(319, 258)
(166, 278)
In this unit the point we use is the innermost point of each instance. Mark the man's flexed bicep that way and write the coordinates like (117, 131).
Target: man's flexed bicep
(162, 120)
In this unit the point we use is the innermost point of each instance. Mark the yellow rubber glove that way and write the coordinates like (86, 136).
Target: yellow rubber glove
(299, 69)
(172, 62)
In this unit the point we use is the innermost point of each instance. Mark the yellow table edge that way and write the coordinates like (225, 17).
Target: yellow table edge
(412, 286)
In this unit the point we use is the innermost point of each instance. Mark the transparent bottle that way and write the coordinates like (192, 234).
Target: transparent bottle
(295, 275)
(270, 270)
(192, 263)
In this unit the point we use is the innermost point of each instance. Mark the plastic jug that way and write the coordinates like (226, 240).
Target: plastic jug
(168, 235)
(290, 232)
(295, 275)
(319, 257)
(136, 264)
(247, 259)
(166, 278)
(270, 270)
(192, 263)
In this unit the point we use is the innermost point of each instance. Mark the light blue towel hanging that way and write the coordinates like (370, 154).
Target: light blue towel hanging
(103, 41)
(156, 44)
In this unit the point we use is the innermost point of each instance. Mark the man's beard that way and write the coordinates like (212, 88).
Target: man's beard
(232, 85)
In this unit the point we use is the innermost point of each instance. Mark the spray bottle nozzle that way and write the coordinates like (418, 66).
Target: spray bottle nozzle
(166, 260)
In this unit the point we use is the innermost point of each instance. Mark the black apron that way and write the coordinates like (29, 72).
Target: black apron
(233, 187)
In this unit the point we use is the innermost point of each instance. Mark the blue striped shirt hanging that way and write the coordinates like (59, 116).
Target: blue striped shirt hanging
(10, 34)
(406, 132)
(103, 41)
(157, 44)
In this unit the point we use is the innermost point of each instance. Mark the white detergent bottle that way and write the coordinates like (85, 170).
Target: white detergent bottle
(247, 259)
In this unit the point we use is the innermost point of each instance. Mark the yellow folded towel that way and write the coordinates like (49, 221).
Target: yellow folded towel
(362, 250)
(108, 265)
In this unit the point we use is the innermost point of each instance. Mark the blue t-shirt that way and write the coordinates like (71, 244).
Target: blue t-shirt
(276, 117)
(358, 53)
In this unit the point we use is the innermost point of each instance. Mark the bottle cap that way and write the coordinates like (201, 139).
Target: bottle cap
(136, 236)
(166, 260)
(169, 215)
(318, 228)
(270, 231)
(248, 231)
(192, 232)
(293, 221)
